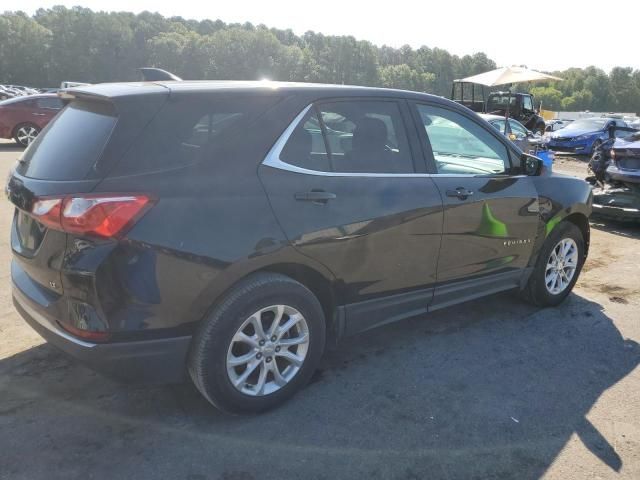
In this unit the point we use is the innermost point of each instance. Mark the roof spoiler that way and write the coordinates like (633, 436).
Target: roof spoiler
(151, 74)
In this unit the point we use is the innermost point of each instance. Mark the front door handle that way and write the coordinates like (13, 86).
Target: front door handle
(460, 192)
(39, 114)
(316, 196)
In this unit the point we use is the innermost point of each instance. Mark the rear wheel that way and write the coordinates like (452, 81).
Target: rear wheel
(259, 346)
(557, 267)
(26, 133)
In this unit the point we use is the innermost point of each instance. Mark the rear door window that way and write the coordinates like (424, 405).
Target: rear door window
(71, 145)
(359, 136)
(306, 147)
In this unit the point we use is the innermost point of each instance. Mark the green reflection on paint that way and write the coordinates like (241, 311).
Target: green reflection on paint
(552, 223)
(490, 226)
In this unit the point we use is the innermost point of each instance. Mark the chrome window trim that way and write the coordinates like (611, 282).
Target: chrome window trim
(272, 159)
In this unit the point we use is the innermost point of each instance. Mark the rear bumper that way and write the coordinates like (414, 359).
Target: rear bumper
(149, 361)
(617, 213)
(628, 176)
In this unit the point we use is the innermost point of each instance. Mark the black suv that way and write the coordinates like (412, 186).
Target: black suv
(232, 230)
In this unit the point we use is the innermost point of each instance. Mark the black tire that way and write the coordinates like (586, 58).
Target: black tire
(535, 290)
(539, 129)
(595, 147)
(17, 136)
(208, 355)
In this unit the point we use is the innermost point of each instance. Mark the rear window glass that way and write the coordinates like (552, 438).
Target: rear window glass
(70, 146)
(190, 130)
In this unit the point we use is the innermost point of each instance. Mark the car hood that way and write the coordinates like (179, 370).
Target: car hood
(568, 132)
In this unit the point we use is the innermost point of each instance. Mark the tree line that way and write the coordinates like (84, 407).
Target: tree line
(78, 44)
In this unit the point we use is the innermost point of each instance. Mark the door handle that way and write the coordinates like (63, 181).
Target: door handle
(39, 114)
(316, 196)
(460, 192)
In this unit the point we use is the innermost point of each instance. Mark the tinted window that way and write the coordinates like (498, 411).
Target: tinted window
(191, 130)
(366, 136)
(527, 104)
(359, 137)
(305, 147)
(460, 145)
(52, 103)
(59, 153)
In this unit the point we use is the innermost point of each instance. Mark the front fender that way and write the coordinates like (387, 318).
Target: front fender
(562, 197)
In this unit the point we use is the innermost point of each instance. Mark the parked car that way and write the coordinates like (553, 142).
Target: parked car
(22, 118)
(553, 125)
(231, 230)
(24, 90)
(583, 136)
(616, 177)
(6, 93)
(525, 139)
(514, 130)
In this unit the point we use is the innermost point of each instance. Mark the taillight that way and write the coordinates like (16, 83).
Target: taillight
(86, 334)
(99, 215)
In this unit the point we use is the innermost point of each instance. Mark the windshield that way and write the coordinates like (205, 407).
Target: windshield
(588, 124)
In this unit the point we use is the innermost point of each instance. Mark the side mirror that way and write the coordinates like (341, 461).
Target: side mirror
(530, 165)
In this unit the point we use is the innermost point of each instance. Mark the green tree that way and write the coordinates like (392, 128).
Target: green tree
(79, 44)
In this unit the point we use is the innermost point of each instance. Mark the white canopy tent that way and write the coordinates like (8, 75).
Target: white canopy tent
(506, 75)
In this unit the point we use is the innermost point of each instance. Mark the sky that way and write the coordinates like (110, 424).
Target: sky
(542, 35)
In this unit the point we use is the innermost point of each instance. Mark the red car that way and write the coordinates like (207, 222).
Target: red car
(22, 118)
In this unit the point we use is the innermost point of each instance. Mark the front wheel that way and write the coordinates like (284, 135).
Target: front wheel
(259, 346)
(596, 147)
(558, 266)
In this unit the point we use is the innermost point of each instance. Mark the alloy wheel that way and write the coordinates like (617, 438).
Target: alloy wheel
(561, 266)
(268, 350)
(26, 134)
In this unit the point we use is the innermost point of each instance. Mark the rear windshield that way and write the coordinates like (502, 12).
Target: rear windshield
(190, 130)
(70, 146)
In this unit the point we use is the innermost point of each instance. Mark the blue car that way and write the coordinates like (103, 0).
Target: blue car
(583, 136)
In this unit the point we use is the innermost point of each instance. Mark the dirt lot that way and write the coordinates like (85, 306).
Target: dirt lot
(494, 389)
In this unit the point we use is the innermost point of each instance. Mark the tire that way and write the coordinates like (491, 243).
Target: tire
(536, 290)
(539, 129)
(595, 146)
(25, 133)
(215, 343)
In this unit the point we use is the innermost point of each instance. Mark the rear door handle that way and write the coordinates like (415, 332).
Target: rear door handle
(316, 196)
(460, 192)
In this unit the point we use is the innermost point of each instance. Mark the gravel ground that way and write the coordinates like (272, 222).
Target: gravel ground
(493, 389)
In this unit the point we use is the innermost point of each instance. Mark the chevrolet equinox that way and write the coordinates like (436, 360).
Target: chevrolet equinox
(229, 231)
